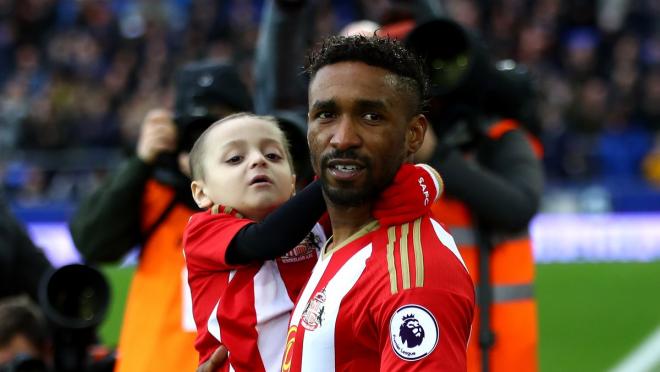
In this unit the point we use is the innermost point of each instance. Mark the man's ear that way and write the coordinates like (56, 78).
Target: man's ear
(415, 133)
(199, 195)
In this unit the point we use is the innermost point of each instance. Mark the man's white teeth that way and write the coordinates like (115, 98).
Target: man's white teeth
(346, 168)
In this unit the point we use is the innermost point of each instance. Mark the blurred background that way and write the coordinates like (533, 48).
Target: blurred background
(78, 76)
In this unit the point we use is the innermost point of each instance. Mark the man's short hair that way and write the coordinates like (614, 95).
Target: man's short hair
(385, 53)
(199, 149)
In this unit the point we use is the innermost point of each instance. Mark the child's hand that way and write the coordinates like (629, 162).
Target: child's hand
(414, 189)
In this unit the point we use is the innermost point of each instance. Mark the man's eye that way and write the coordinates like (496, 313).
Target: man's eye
(372, 116)
(324, 115)
(235, 159)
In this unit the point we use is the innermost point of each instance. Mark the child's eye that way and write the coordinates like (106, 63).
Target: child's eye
(234, 159)
(273, 156)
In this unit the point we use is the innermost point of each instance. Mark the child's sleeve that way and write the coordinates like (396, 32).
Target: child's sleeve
(206, 239)
(280, 231)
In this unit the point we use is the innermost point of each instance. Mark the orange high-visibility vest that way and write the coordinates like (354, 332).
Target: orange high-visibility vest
(153, 337)
(513, 312)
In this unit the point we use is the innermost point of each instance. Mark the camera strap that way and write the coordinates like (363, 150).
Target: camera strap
(170, 206)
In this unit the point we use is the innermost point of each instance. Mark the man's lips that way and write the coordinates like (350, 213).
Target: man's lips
(345, 169)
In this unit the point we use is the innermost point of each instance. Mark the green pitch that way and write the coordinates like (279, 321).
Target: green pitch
(591, 315)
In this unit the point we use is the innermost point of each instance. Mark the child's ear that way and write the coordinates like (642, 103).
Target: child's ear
(199, 195)
(293, 183)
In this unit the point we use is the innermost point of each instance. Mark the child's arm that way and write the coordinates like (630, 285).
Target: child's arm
(413, 190)
(280, 231)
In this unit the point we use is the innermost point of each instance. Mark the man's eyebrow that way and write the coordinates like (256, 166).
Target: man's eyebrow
(367, 104)
(328, 104)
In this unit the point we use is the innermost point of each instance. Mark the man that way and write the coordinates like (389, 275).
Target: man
(388, 298)
(482, 144)
(147, 202)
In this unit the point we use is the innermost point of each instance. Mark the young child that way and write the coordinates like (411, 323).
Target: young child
(245, 259)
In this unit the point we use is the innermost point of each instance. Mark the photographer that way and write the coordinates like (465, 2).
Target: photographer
(480, 143)
(147, 202)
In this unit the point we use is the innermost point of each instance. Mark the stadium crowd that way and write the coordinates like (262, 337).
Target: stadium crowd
(77, 77)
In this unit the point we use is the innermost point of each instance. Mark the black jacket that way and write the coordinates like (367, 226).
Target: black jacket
(22, 264)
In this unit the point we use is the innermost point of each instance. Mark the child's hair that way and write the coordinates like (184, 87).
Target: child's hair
(199, 149)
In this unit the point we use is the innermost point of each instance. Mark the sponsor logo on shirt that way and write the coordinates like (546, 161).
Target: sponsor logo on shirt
(414, 332)
(304, 251)
(313, 315)
(425, 191)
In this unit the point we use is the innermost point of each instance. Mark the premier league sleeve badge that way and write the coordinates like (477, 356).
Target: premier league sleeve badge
(414, 332)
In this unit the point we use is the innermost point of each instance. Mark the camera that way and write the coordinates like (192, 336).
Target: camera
(206, 92)
(466, 86)
(74, 299)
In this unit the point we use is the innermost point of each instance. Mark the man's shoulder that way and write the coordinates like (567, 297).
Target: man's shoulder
(415, 254)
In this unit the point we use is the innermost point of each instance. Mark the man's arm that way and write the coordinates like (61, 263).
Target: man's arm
(424, 329)
(106, 224)
(284, 34)
(502, 187)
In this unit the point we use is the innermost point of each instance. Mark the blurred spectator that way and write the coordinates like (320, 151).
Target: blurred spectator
(82, 74)
(24, 337)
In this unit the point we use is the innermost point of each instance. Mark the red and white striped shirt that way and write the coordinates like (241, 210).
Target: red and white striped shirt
(390, 299)
(246, 308)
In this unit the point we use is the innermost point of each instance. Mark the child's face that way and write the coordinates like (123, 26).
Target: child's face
(245, 167)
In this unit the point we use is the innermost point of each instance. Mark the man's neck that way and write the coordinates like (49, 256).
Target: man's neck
(346, 221)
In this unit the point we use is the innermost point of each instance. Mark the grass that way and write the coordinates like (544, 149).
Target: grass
(120, 279)
(591, 315)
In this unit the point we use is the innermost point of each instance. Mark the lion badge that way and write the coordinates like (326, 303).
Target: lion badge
(414, 332)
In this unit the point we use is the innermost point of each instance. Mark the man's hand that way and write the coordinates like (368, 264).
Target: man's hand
(157, 135)
(414, 189)
(214, 362)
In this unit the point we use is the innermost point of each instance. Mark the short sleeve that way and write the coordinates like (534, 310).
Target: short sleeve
(424, 329)
(206, 238)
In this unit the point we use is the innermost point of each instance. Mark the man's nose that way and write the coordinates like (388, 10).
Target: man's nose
(346, 135)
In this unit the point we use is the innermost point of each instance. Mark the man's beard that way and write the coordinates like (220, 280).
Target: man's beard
(348, 195)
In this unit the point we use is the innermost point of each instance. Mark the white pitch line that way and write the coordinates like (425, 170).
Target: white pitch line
(644, 357)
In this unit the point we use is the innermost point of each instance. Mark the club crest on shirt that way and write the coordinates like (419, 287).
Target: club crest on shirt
(313, 315)
(414, 332)
(303, 251)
